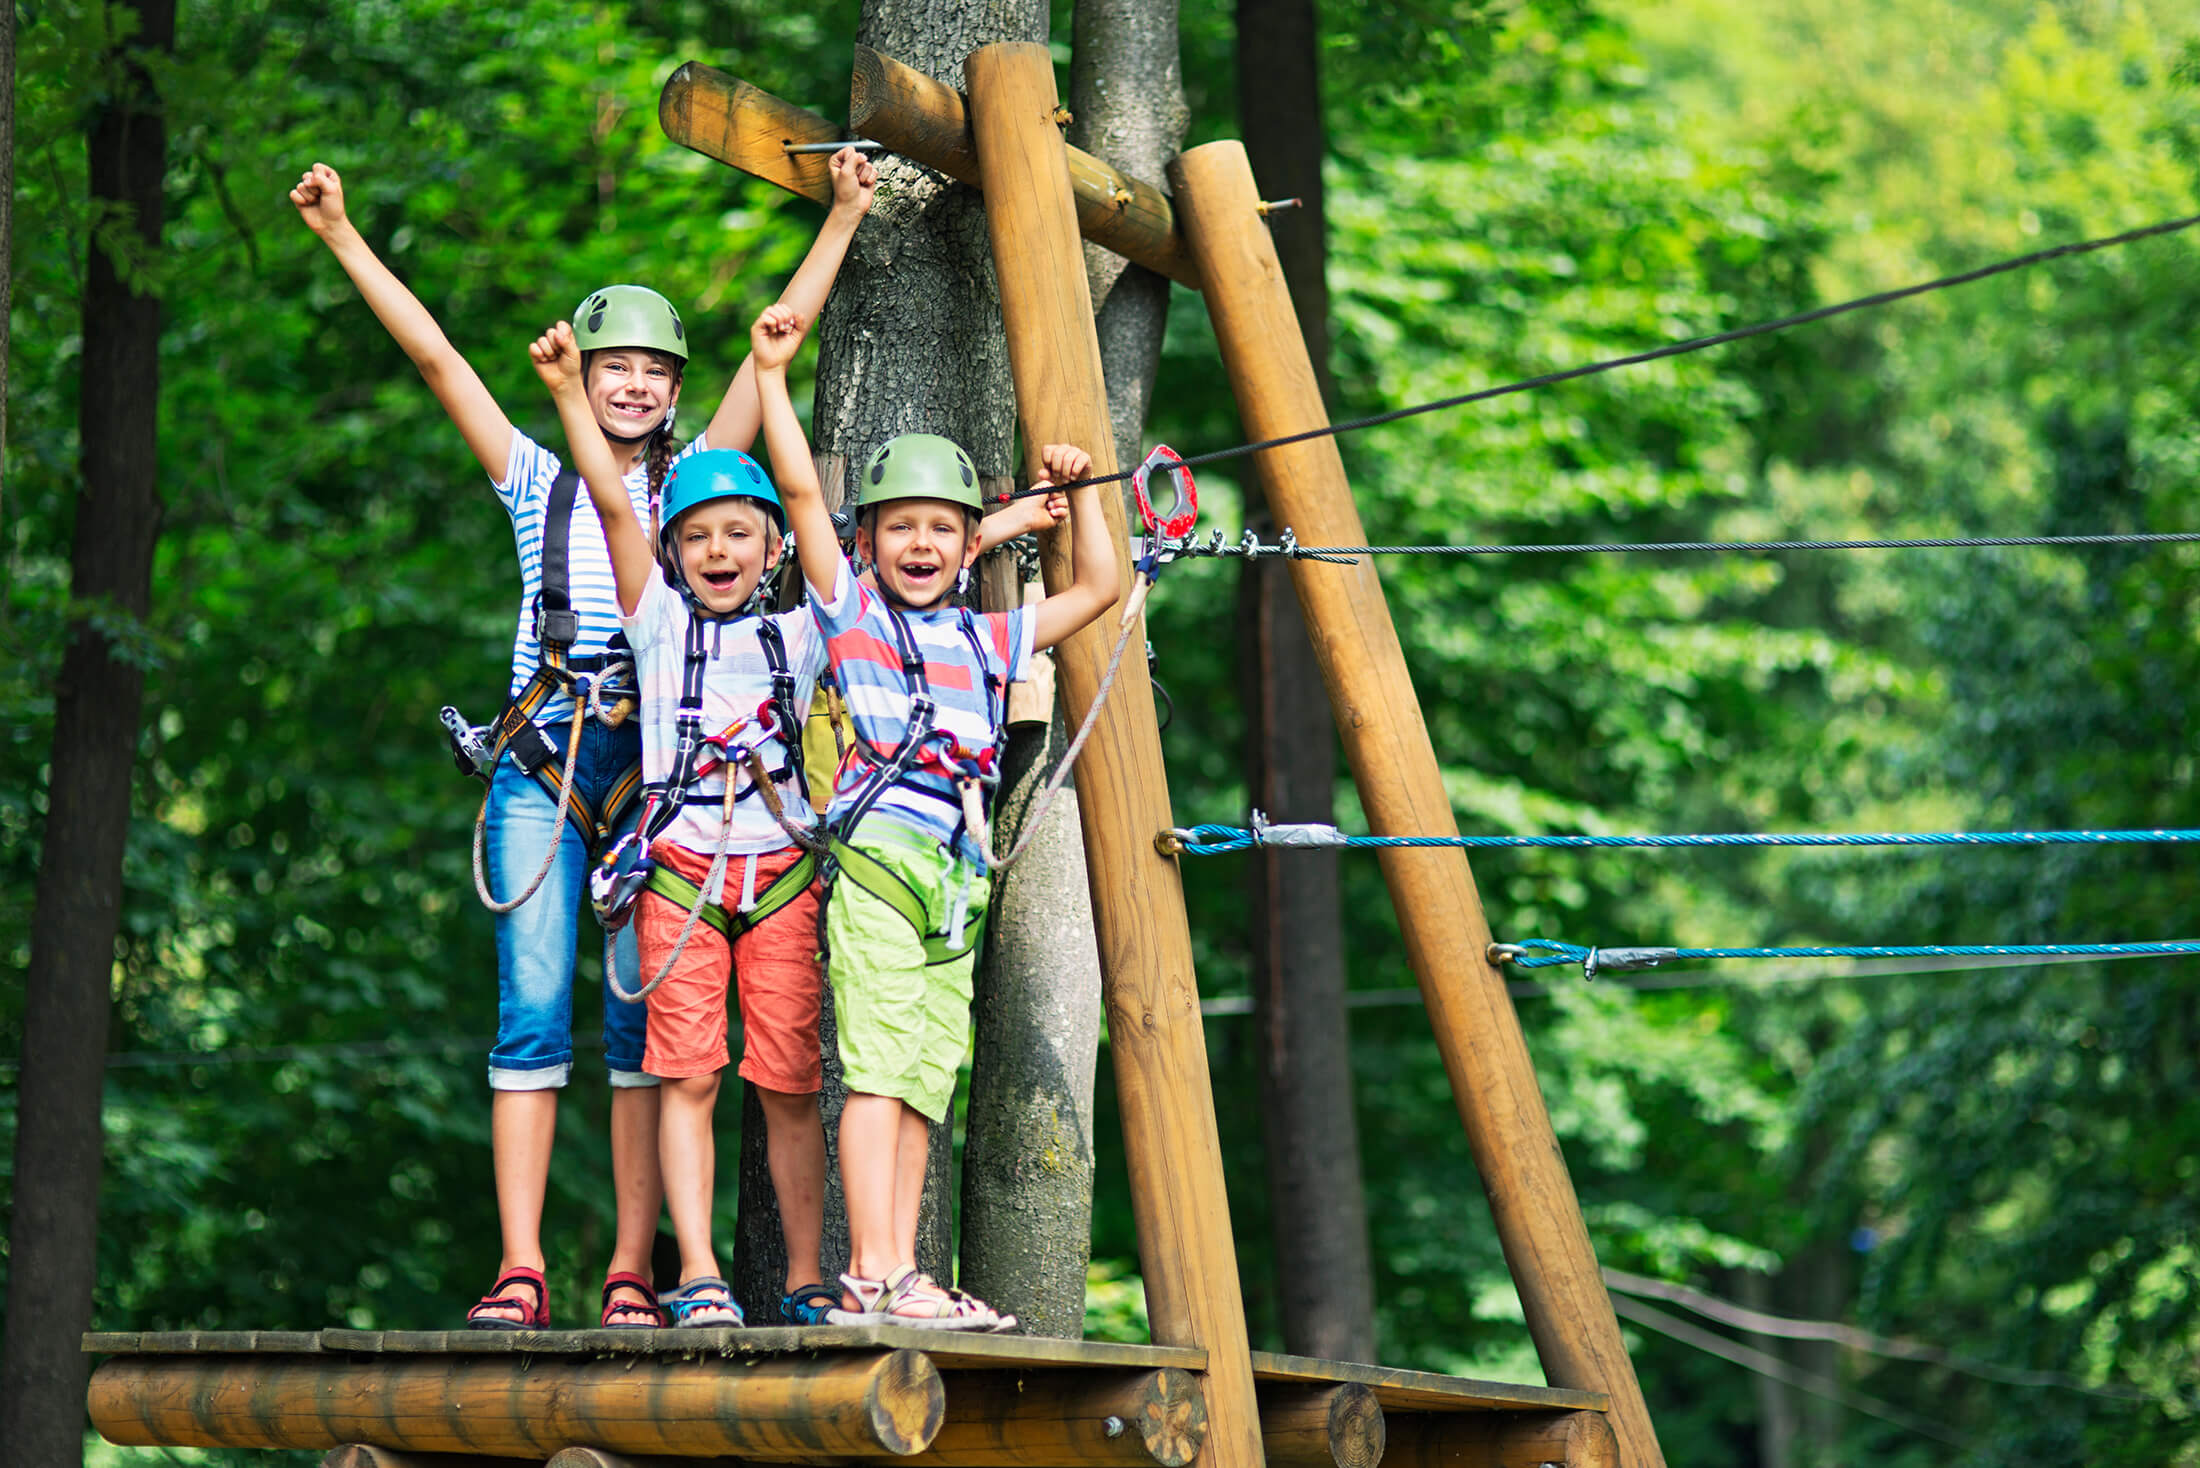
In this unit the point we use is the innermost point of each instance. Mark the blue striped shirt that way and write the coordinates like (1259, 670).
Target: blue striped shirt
(526, 496)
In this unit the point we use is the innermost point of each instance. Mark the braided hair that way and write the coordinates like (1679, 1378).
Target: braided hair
(662, 449)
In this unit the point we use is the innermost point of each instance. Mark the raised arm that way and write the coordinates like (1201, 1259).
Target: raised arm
(855, 177)
(772, 344)
(320, 200)
(1092, 553)
(558, 361)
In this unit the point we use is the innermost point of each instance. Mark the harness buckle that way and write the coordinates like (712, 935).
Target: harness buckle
(559, 627)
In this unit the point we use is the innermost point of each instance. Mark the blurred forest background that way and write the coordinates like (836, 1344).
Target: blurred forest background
(1998, 1166)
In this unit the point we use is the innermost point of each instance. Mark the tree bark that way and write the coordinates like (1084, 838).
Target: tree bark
(53, 1235)
(910, 341)
(1324, 1276)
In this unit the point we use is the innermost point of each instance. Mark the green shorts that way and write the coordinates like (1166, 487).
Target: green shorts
(901, 994)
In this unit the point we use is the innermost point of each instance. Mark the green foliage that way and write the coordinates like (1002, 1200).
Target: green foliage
(1998, 1164)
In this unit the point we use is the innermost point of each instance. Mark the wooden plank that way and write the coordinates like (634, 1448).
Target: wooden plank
(946, 1349)
(1508, 1440)
(926, 120)
(1422, 1391)
(1532, 1200)
(1329, 1425)
(791, 1409)
(195, 1342)
(1070, 1419)
(1156, 1040)
(725, 118)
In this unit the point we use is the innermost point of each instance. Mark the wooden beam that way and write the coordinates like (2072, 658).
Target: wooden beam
(1538, 1218)
(790, 1409)
(925, 120)
(1503, 1440)
(1060, 1419)
(1337, 1426)
(366, 1455)
(725, 118)
(1155, 1038)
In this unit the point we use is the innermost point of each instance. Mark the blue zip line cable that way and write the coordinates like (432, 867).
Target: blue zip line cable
(1212, 840)
(1550, 953)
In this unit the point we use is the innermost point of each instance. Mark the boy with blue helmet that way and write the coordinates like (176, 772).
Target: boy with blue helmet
(721, 862)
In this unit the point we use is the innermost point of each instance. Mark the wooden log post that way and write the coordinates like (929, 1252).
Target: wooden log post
(1539, 1223)
(783, 1410)
(1339, 1426)
(1160, 1051)
(1502, 1440)
(1065, 1419)
(367, 1455)
(725, 118)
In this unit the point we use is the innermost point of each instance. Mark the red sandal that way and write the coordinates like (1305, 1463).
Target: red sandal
(533, 1317)
(625, 1280)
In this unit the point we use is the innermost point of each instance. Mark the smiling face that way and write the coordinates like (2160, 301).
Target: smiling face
(725, 547)
(917, 546)
(630, 388)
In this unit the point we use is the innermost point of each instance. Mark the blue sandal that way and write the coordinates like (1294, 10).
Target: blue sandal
(704, 1294)
(810, 1304)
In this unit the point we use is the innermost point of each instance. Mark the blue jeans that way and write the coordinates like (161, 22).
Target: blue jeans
(537, 944)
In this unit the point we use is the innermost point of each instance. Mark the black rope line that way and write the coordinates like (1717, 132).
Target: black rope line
(1670, 349)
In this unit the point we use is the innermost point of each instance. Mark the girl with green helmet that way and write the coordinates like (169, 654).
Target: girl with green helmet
(637, 348)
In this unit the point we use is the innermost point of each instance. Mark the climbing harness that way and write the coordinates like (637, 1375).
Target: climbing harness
(626, 869)
(1212, 840)
(1548, 953)
(1670, 349)
(600, 686)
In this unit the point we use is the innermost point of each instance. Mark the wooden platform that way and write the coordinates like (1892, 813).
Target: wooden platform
(948, 1349)
(814, 1395)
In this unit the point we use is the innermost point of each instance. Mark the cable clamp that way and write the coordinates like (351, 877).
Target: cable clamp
(1267, 833)
(1623, 960)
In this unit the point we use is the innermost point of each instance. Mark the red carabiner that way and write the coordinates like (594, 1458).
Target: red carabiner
(1183, 510)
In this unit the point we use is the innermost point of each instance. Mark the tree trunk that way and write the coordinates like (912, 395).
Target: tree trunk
(7, 229)
(1325, 1279)
(910, 341)
(53, 1235)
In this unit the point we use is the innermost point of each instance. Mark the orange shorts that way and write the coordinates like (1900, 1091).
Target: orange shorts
(782, 986)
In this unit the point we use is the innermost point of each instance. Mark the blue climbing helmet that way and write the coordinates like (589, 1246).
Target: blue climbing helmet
(713, 474)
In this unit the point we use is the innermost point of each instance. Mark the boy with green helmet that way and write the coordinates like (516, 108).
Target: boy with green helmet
(925, 684)
(560, 798)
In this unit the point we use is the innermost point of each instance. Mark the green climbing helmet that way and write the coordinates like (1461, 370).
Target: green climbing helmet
(920, 466)
(629, 316)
